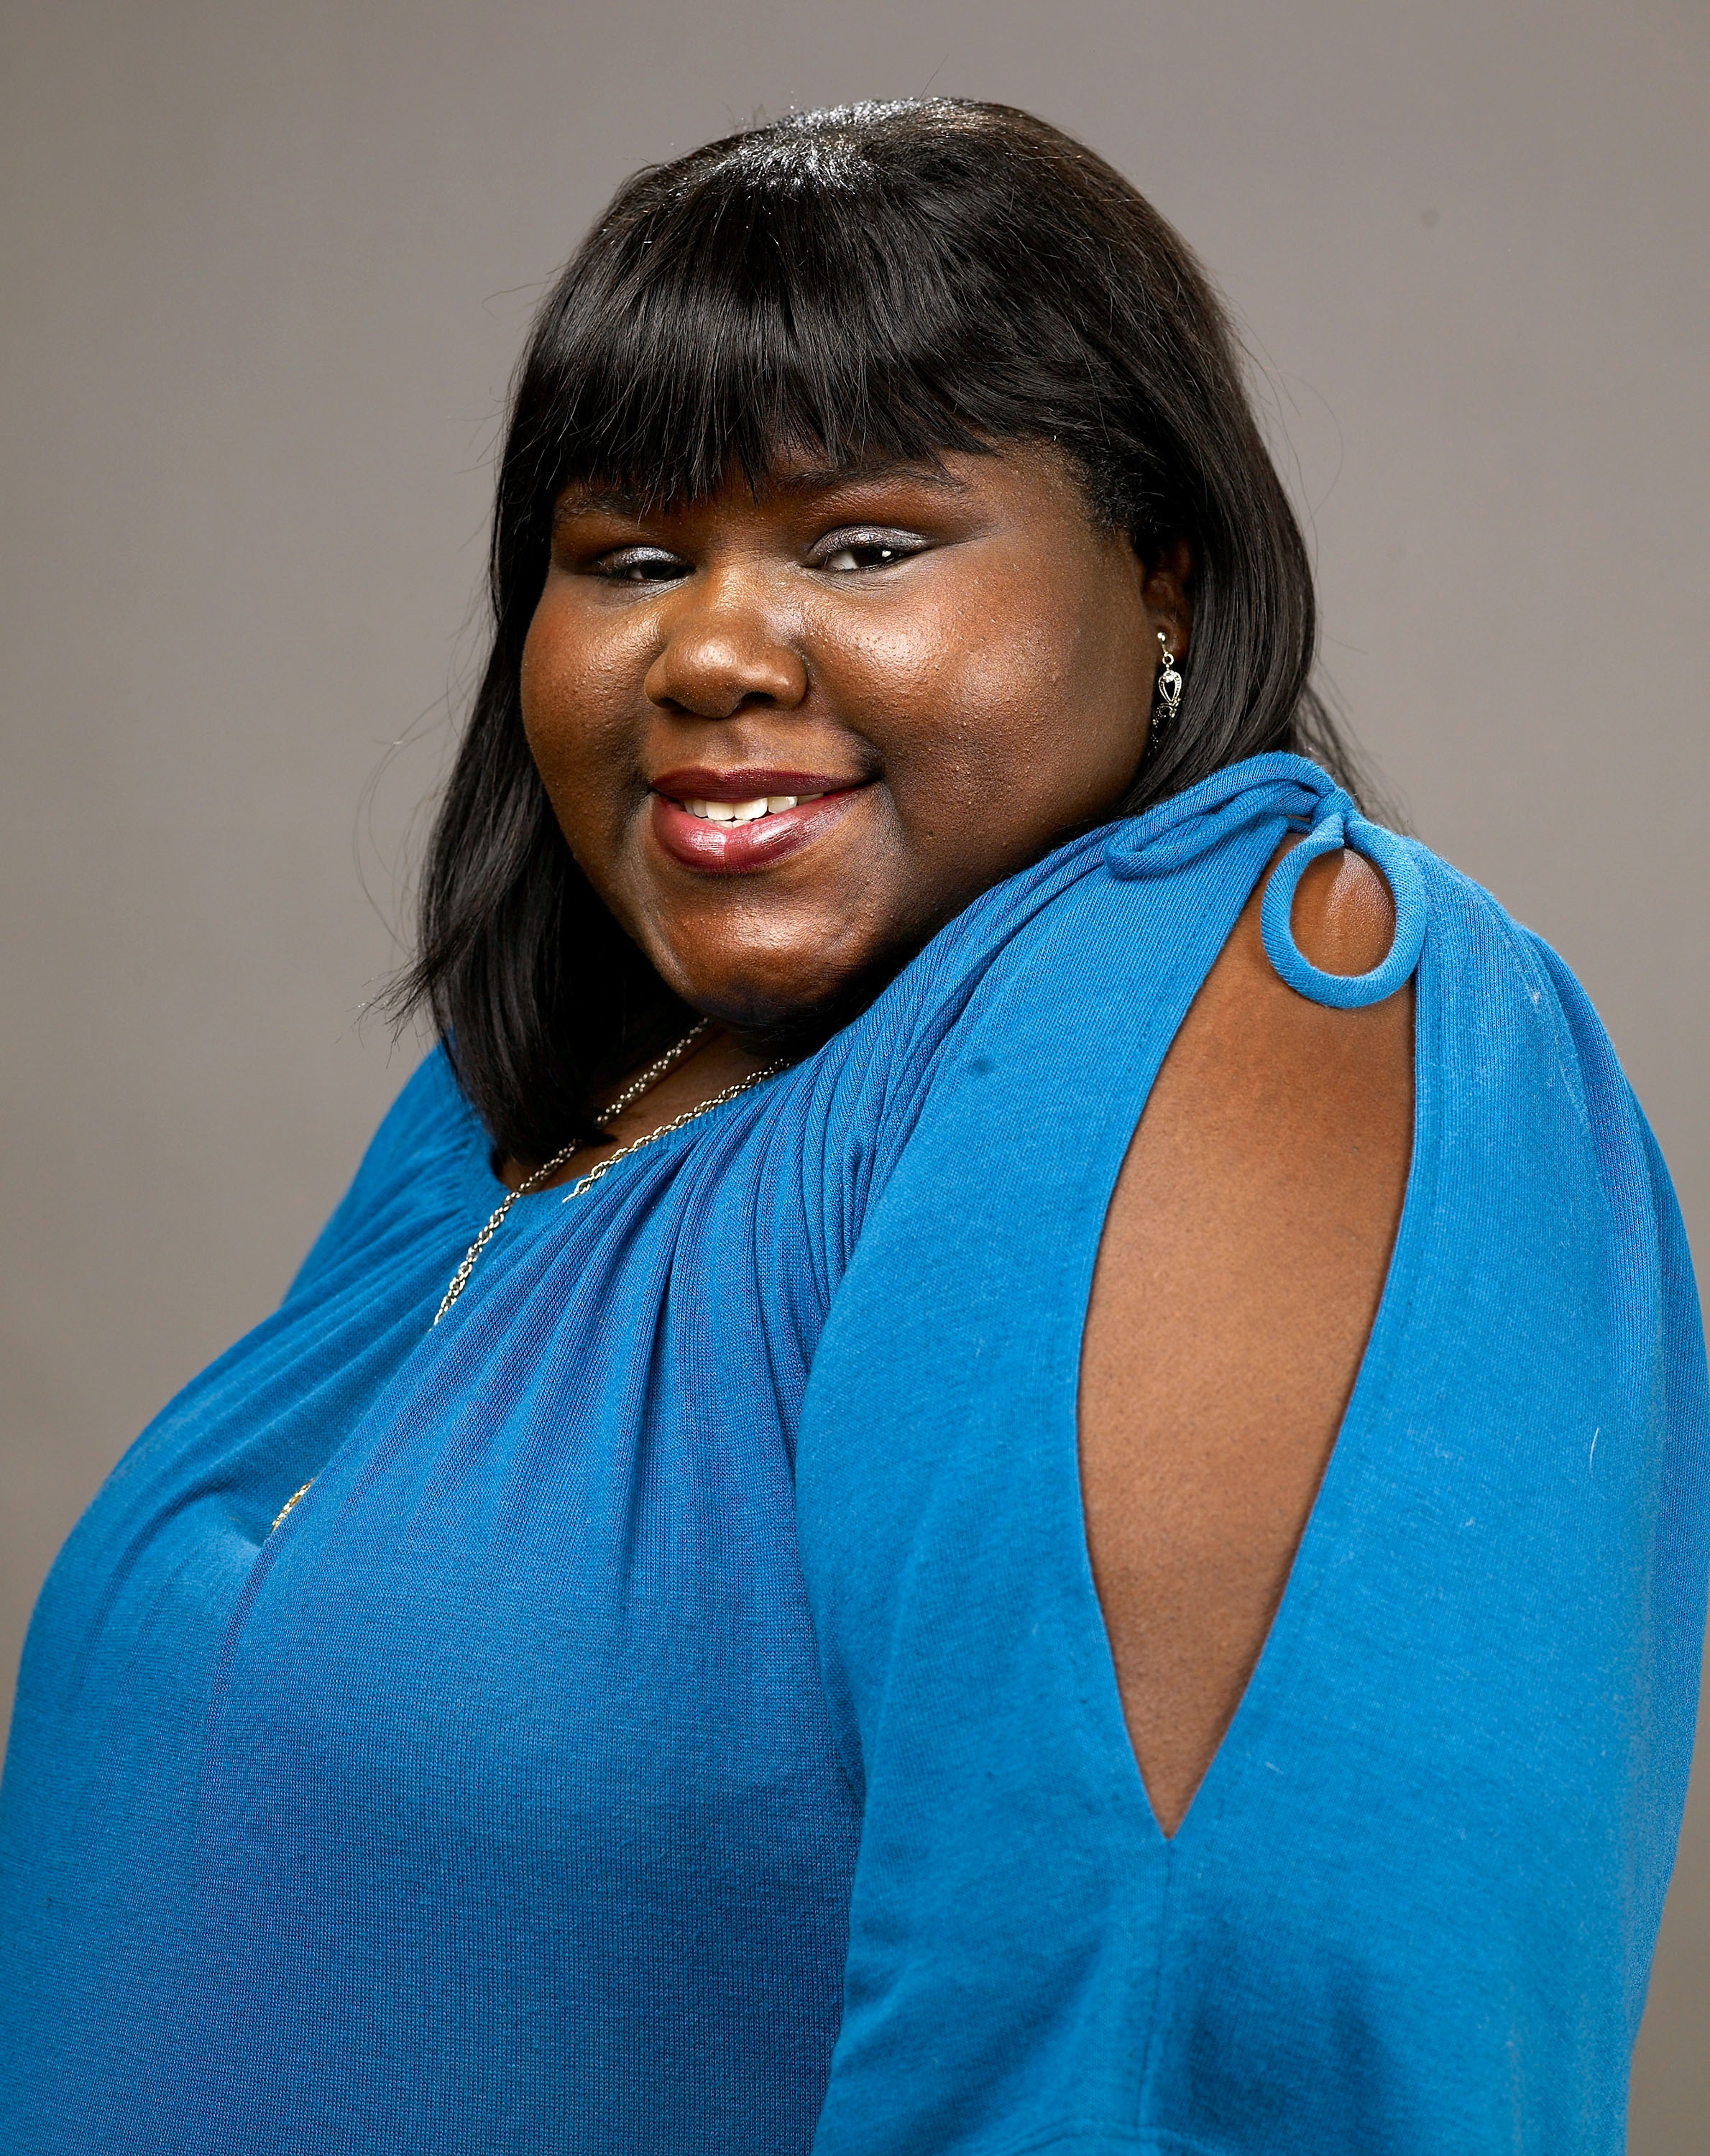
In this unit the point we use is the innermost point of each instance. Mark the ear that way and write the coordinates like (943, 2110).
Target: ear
(1164, 595)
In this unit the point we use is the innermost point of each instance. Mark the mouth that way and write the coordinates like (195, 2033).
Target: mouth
(731, 822)
(749, 811)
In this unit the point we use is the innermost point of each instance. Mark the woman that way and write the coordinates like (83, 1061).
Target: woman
(779, 1637)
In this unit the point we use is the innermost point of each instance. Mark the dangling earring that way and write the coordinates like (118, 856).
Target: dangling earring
(1168, 700)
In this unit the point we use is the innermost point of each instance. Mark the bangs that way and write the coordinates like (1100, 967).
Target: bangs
(785, 296)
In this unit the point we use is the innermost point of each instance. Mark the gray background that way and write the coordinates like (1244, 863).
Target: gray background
(264, 266)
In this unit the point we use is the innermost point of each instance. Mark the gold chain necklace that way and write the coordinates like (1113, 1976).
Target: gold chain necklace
(630, 1095)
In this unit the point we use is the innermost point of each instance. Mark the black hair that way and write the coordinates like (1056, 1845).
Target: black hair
(879, 282)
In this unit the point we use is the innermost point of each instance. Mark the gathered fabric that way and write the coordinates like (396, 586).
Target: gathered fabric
(677, 1716)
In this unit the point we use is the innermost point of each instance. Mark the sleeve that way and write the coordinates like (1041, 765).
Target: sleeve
(426, 1129)
(1413, 1902)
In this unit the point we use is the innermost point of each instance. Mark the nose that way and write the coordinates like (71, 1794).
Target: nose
(724, 651)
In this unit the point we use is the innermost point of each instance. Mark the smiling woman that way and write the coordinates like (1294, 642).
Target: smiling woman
(1082, 1521)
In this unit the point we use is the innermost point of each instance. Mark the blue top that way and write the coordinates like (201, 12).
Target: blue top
(678, 1717)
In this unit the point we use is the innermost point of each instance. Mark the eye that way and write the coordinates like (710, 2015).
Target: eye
(846, 553)
(640, 565)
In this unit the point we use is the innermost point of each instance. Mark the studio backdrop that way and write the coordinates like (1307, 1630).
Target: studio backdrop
(265, 271)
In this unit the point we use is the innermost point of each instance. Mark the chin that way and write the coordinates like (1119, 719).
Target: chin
(768, 1001)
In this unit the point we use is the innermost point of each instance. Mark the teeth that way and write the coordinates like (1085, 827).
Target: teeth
(745, 812)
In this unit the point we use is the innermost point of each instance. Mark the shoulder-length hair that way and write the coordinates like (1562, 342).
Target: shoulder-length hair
(881, 281)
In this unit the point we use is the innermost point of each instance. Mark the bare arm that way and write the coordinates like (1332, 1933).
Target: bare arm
(1240, 1268)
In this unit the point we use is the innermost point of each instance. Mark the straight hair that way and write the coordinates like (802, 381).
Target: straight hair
(879, 282)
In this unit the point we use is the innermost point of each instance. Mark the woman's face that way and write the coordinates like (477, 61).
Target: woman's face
(789, 734)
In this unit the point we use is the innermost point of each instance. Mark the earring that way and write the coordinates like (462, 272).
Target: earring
(1169, 686)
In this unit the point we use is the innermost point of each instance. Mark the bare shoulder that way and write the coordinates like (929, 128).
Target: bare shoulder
(1263, 1082)
(1344, 918)
(1241, 1264)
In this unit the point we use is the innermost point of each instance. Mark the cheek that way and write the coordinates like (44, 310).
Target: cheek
(1012, 703)
(576, 695)
(1075, 721)
(543, 680)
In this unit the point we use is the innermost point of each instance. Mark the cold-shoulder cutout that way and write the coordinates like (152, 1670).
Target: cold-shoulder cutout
(1241, 1267)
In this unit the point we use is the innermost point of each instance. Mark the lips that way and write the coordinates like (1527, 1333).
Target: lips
(739, 821)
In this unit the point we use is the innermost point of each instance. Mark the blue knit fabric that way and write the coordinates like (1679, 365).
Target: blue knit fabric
(678, 1717)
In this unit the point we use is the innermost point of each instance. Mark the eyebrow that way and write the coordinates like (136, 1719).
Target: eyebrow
(580, 501)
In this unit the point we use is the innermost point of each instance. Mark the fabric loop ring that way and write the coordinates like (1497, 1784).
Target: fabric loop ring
(1344, 825)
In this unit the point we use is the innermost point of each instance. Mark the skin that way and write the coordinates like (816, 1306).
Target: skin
(968, 653)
